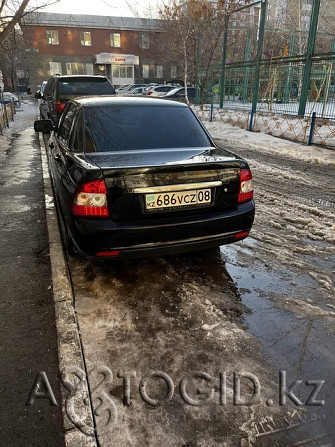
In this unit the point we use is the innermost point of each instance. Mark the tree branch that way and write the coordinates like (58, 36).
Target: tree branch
(17, 16)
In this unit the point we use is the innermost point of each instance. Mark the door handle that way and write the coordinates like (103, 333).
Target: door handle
(58, 158)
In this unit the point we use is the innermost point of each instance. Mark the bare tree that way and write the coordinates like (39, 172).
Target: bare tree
(12, 11)
(12, 58)
(193, 37)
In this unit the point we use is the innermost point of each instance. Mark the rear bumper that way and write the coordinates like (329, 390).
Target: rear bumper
(91, 236)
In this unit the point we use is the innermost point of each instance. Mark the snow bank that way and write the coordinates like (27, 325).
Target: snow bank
(270, 144)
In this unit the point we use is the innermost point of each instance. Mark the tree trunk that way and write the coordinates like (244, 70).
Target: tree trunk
(17, 17)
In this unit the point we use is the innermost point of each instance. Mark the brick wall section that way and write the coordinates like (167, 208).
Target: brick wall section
(69, 41)
(40, 53)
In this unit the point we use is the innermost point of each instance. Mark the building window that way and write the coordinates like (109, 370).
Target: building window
(85, 39)
(115, 40)
(77, 68)
(52, 37)
(116, 71)
(144, 41)
(159, 71)
(122, 71)
(55, 68)
(173, 71)
(89, 69)
(145, 71)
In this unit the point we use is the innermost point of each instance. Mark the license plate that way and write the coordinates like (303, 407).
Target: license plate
(180, 199)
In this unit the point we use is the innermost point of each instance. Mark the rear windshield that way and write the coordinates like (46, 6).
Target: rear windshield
(85, 87)
(135, 128)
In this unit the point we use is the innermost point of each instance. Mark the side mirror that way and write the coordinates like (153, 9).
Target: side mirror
(38, 95)
(44, 126)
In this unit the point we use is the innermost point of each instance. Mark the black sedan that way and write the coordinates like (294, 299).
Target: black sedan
(135, 177)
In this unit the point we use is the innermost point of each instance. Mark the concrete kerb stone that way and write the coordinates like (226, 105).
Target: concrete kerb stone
(68, 339)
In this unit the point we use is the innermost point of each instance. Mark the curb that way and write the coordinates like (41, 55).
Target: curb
(70, 352)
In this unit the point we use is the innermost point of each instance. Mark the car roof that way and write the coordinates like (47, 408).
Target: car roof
(73, 77)
(162, 85)
(101, 100)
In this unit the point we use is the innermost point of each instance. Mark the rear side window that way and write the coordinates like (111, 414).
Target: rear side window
(83, 86)
(66, 122)
(49, 89)
(125, 128)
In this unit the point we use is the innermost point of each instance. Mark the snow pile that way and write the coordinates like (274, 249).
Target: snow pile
(270, 144)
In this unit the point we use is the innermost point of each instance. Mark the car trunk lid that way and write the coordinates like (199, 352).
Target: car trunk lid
(133, 177)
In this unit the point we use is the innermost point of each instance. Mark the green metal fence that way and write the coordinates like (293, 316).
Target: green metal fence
(280, 86)
(278, 69)
(280, 81)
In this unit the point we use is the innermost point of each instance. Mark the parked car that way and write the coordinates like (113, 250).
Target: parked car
(60, 89)
(135, 177)
(120, 88)
(39, 93)
(159, 90)
(178, 94)
(130, 87)
(138, 91)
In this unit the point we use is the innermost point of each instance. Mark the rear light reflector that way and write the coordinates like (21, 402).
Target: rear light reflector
(241, 235)
(105, 254)
(91, 200)
(58, 106)
(246, 191)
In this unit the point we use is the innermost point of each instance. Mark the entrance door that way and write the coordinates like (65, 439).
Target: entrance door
(122, 74)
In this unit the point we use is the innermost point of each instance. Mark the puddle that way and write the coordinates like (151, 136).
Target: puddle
(302, 347)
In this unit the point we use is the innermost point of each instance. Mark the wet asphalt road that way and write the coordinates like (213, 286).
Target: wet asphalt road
(263, 305)
(27, 320)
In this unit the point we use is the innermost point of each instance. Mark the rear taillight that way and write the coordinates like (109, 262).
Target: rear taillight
(246, 191)
(150, 93)
(91, 200)
(241, 235)
(108, 254)
(58, 106)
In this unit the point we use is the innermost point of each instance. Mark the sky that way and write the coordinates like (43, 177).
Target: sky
(125, 8)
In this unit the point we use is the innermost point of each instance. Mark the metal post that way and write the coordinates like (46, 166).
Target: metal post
(247, 56)
(12, 106)
(197, 87)
(224, 57)
(6, 116)
(259, 57)
(288, 79)
(309, 54)
(327, 90)
(311, 132)
(211, 115)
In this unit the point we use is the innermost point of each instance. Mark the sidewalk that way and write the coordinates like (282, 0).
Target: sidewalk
(27, 316)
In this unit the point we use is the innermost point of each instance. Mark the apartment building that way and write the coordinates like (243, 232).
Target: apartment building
(125, 49)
